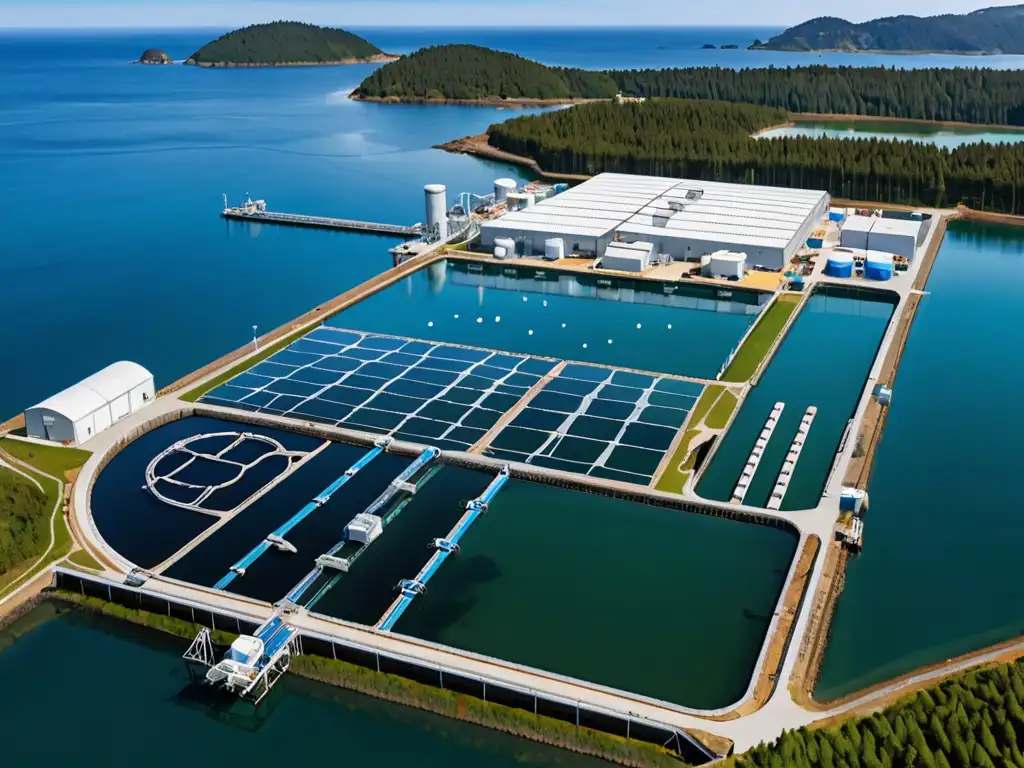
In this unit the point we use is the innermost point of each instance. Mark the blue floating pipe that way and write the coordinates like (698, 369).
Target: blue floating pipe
(300, 589)
(445, 548)
(239, 568)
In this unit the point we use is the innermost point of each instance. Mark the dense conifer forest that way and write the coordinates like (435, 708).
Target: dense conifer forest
(283, 42)
(975, 720)
(712, 140)
(24, 520)
(466, 72)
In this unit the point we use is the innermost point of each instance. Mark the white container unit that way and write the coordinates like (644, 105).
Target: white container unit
(725, 265)
(504, 248)
(554, 249)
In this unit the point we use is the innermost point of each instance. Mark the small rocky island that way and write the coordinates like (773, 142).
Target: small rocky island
(708, 47)
(155, 56)
(287, 44)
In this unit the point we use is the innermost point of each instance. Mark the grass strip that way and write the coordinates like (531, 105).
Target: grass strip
(723, 409)
(54, 460)
(401, 690)
(194, 394)
(85, 560)
(674, 478)
(757, 345)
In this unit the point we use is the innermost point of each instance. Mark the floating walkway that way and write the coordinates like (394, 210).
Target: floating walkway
(754, 460)
(789, 465)
(362, 530)
(276, 539)
(409, 588)
(253, 663)
(256, 211)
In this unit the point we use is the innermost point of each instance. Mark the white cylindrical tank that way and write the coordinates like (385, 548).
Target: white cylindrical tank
(502, 187)
(554, 249)
(437, 211)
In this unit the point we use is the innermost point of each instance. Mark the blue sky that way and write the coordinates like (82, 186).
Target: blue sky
(519, 13)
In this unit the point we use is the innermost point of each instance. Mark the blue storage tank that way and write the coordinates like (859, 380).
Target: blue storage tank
(839, 264)
(815, 242)
(878, 266)
(560, 188)
(837, 215)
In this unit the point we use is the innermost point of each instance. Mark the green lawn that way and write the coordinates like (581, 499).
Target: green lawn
(674, 478)
(84, 559)
(744, 365)
(194, 394)
(52, 459)
(723, 409)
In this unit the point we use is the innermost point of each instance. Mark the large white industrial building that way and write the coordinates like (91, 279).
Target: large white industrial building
(85, 409)
(681, 218)
(874, 233)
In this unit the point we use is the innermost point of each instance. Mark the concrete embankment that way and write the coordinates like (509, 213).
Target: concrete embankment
(447, 695)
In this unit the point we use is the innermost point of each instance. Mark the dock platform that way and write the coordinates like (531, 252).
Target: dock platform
(255, 211)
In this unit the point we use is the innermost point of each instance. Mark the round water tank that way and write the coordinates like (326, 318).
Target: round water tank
(839, 264)
(502, 187)
(437, 212)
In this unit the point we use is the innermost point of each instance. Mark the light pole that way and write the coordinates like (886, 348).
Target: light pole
(255, 341)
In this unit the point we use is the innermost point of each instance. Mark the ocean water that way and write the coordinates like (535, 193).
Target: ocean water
(123, 691)
(113, 176)
(937, 576)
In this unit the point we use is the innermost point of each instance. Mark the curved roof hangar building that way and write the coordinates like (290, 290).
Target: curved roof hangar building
(85, 409)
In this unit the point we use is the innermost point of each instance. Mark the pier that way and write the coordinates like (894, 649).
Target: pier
(361, 532)
(276, 539)
(256, 211)
(750, 468)
(789, 465)
(445, 547)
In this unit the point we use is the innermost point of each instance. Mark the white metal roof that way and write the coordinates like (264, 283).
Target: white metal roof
(677, 234)
(906, 227)
(96, 391)
(859, 223)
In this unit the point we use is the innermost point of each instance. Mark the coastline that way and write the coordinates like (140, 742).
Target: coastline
(397, 689)
(488, 102)
(379, 58)
(478, 146)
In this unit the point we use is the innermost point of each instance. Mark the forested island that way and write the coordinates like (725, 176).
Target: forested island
(287, 43)
(713, 140)
(987, 31)
(471, 74)
(975, 720)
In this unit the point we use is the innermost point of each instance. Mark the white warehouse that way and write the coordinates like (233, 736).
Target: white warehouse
(681, 218)
(85, 409)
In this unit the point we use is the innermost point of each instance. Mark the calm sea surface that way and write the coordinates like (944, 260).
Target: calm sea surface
(949, 137)
(112, 176)
(119, 691)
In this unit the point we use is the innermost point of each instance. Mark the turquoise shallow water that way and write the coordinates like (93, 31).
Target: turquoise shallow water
(654, 601)
(938, 573)
(948, 137)
(824, 362)
(117, 691)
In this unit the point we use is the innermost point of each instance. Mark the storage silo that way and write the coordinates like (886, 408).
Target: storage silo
(879, 266)
(839, 264)
(437, 212)
(502, 187)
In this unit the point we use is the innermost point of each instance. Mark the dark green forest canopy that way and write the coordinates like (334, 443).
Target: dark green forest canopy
(284, 42)
(24, 520)
(712, 140)
(466, 72)
(989, 30)
(975, 720)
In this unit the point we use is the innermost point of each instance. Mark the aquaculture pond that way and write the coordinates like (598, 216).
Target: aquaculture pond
(824, 361)
(301, 723)
(654, 326)
(364, 594)
(938, 570)
(947, 136)
(144, 529)
(654, 601)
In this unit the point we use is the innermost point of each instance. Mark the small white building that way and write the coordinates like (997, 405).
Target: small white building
(85, 409)
(726, 264)
(364, 528)
(855, 232)
(897, 236)
(627, 257)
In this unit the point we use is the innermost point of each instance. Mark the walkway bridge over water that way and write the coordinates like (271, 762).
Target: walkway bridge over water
(445, 547)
